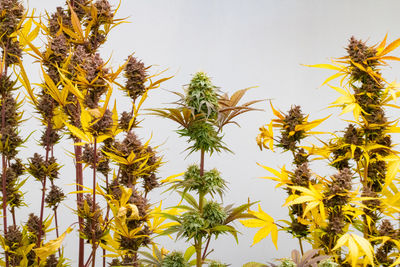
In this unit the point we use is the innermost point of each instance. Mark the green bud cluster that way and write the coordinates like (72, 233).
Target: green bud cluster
(202, 97)
(174, 259)
(210, 182)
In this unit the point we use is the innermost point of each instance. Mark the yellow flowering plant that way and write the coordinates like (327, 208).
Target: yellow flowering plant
(353, 225)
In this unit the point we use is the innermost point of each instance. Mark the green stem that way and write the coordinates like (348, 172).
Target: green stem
(198, 243)
(301, 246)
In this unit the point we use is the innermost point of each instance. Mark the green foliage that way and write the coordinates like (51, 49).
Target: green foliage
(174, 259)
(211, 181)
(201, 96)
(214, 214)
(216, 264)
(287, 263)
(193, 225)
(328, 263)
(204, 137)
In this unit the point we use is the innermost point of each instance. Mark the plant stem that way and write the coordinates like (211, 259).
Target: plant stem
(106, 220)
(13, 215)
(4, 169)
(199, 261)
(44, 185)
(94, 202)
(206, 248)
(79, 198)
(301, 246)
(57, 234)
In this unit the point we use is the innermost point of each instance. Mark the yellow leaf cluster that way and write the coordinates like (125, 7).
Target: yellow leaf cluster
(265, 222)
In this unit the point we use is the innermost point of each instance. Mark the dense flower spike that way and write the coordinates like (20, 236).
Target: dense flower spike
(136, 74)
(201, 96)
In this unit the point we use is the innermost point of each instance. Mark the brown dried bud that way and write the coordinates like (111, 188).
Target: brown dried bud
(102, 125)
(124, 121)
(37, 167)
(140, 202)
(150, 182)
(300, 157)
(88, 155)
(80, 7)
(10, 135)
(50, 138)
(302, 175)
(33, 224)
(13, 239)
(136, 74)
(79, 56)
(59, 48)
(336, 224)
(372, 203)
(11, 12)
(17, 167)
(46, 105)
(386, 228)
(131, 143)
(289, 137)
(13, 236)
(10, 113)
(358, 51)
(6, 84)
(352, 136)
(104, 166)
(51, 261)
(93, 65)
(92, 219)
(104, 12)
(58, 18)
(14, 52)
(343, 179)
(54, 197)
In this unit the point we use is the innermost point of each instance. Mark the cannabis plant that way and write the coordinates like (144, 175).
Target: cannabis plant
(202, 113)
(74, 100)
(328, 210)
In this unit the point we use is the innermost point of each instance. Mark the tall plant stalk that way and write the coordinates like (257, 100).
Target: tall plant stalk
(79, 198)
(94, 201)
(3, 176)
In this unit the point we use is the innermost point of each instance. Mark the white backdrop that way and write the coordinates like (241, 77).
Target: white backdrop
(239, 44)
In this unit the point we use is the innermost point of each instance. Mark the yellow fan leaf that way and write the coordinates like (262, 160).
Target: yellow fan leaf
(358, 247)
(52, 246)
(266, 223)
(76, 24)
(78, 133)
(172, 178)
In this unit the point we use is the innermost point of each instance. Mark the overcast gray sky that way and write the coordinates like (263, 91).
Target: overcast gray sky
(239, 44)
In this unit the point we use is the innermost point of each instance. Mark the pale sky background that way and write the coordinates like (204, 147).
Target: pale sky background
(239, 44)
